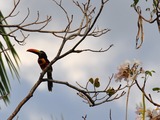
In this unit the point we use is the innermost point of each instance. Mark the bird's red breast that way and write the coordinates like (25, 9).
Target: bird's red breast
(42, 63)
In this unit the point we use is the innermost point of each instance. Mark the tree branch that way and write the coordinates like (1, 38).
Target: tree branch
(68, 35)
(148, 97)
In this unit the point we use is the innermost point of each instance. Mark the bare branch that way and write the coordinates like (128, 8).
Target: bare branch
(110, 78)
(84, 50)
(110, 114)
(30, 94)
(85, 29)
(22, 27)
(100, 96)
(10, 14)
(86, 23)
(84, 117)
(60, 5)
(148, 97)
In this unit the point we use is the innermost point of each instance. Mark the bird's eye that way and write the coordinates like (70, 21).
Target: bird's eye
(40, 53)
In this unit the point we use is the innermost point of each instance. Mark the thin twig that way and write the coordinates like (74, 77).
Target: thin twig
(148, 97)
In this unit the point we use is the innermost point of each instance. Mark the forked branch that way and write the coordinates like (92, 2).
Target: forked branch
(85, 29)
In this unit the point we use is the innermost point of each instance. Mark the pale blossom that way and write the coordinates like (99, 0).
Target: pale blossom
(139, 112)
(138, 117)
(123, 72)
(155, 112)
(150, 114)
(128, 71)
(139, 109)
(137, 62)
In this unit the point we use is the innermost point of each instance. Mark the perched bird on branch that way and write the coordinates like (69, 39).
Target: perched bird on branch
(43, 62)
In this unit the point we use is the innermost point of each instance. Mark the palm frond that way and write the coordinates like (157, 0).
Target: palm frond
(6, 54)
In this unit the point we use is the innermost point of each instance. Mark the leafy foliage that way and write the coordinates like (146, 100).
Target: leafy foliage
(156, 89)
(135, 3)
(5, 57)
(95, 82)
(111, 91)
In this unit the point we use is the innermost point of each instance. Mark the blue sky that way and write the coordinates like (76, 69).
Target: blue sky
(63, 101)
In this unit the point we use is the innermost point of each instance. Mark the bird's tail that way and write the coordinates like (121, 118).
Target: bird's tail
(50, 85)
(49, 76)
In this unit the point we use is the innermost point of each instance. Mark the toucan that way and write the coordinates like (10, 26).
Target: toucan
(43, 62)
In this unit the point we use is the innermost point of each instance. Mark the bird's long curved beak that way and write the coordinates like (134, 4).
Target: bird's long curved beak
(33, 51)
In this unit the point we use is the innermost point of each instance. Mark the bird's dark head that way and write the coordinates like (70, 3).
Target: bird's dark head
(40, 53)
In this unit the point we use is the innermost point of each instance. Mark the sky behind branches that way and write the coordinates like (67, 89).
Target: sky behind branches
(63, 101)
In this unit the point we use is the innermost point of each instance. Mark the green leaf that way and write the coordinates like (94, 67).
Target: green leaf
(155, 2)
(148, 73)
(147, 9)
(91, 80)
(96, 82)
(156, 89)
(135, 3)
(111, 91)
(153, 71)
